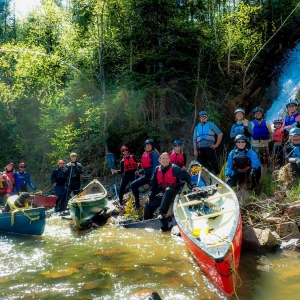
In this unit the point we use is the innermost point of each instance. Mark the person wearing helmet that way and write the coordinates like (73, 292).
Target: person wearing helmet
(129, 166)
(243, 165)
(242, 126)
(73, 171)
(204, 142)
(6, 183)
(292, 119)
(177, 157)
(277, 142)
(58, 180)
(149, 161)
(262, 134)
(293, 154)
(22, 179)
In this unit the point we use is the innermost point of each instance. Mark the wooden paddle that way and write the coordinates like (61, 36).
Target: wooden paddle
(111, 162)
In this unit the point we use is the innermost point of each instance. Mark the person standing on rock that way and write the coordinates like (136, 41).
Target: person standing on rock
(243, 165)
(149, 162)
(205, 143)
(73, 171)
(262, 134)
(129, 166)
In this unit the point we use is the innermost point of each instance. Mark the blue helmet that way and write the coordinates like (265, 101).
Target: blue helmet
(294, 131)
(203, 113)
(177, 143)
(291, 102)
(256, 109)
(149, 141)
(239, 110)
(240, 137)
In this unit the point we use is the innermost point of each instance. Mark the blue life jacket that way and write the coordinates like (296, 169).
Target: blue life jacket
(199, 181)
(260, 130)
(296, 152)
(241, 161)
(290, 120)
(205, 133)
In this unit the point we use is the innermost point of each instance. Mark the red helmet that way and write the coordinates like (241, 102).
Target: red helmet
(124, 148)
(22, 165)
(60, 162)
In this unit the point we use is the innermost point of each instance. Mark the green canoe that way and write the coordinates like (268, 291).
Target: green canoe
(89, 203)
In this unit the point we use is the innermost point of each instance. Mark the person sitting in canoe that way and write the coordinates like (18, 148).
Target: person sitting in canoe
(129, 166)
(166, 179)
(243, 165)
(58, 180)
(149, 162)
(22, 179)
(177, 157)
(293, 154)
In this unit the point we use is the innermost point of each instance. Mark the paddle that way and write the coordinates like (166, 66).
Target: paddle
(111, 162)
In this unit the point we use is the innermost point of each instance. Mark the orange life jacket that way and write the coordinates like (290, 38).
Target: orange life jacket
(129, 163)
(167, 179)
(278, 135)
(177, 159)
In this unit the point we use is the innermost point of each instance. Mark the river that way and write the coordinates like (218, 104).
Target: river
(116, 263)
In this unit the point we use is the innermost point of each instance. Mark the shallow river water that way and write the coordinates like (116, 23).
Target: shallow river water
(117, 263)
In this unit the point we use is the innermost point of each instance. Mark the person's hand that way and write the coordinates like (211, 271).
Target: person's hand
(183, 168)
(214, 146)
(228, 179)
(245, 123)
(113, 171)
(297, 162)
(196, 188)
(72, 165)
(54, 184)
(7, 195)
(137, 173)
(196, 153)
(252, 174)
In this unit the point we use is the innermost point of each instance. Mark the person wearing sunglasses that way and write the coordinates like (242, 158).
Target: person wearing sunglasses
(243, 165)
(128, 166)
(22, 179)
(205, 143)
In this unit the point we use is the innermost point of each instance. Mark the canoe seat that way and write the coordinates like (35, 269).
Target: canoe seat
(214, 214)
(201, 201)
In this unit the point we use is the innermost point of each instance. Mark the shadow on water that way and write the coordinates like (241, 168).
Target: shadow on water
(116, 263)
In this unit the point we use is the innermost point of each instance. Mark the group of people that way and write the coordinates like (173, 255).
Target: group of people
(14, 182)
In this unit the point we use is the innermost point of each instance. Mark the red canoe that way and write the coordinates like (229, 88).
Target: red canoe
(45, 201)
(210, 224)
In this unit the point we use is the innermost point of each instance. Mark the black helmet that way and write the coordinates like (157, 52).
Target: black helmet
(256, 109)
(240, 137)
(149, 141)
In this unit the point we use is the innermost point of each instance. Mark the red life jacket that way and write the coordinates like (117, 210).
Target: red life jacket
(146, 160)
(278, 135)
(177, 159)
(166, 180)
(129, 163)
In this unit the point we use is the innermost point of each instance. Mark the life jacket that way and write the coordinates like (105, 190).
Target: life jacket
(277, 135)
(3, 182)
(146, 160)
(205, 133)
(290, 120)
(167, 179)
(177, 159)
(129, 163)
(260, 130)
(296, 151)
(241, 162)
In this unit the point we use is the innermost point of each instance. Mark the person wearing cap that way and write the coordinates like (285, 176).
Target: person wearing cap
(241, 126)
(73, 171)
(167, 179)
(292, 120)
(205, 143)
(293, 154)
(277, 142)
(128, 166)
(58, 180)
(262, 134)
(177, 157)
(22, 179)
(243, 165)
(6, 183)
(149, 161)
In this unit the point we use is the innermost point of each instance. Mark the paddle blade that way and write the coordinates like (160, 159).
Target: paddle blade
(110, 160)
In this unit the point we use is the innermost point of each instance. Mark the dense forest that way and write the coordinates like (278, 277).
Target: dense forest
(87, 76)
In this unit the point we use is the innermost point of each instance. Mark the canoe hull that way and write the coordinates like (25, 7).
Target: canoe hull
(214, 237)
(45, 201)
(30, 222)
(88, 204)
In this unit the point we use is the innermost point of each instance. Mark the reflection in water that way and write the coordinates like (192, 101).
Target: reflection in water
(115, 263)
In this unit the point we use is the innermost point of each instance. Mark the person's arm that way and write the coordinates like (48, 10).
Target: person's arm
(28, 181)
(53, 176)
(195, 146)
(184, 161)
(154, 185)
(219, 139)
(154, 157)
(270, 131)
(255, 162)
(229, 165)
(17, 181)
(233, 133)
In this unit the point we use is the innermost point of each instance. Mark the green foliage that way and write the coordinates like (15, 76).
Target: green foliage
(268, 185)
